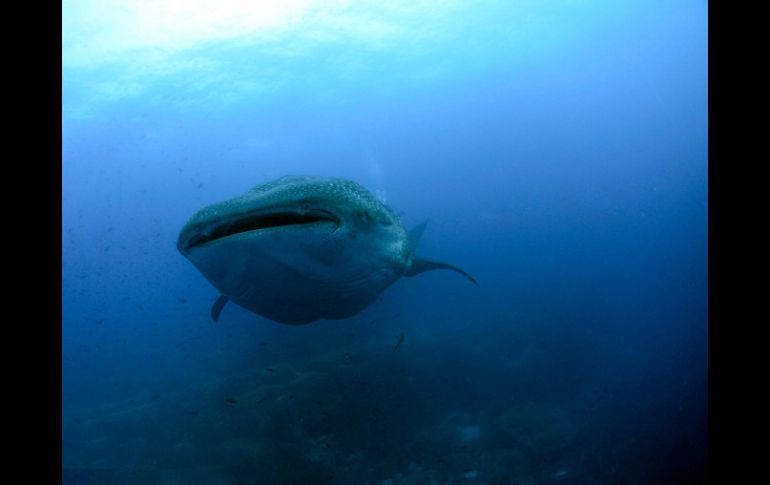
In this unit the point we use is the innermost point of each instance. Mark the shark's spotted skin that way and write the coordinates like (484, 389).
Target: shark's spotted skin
(301, 248)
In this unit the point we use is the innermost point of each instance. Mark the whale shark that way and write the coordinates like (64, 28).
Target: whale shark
(303, 248)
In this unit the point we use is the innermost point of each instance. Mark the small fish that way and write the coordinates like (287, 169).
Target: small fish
(230, 400)
(399, 341)
(560, 474)
(155, 397)
(194, 413)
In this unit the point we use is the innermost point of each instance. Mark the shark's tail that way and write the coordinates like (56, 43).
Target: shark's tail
(421, 265)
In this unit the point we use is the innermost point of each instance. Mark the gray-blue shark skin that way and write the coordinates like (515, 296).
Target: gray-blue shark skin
(302, 248)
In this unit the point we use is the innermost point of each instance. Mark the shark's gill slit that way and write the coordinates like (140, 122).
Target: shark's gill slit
(254, 222)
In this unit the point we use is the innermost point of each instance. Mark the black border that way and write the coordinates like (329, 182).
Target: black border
(55, 416)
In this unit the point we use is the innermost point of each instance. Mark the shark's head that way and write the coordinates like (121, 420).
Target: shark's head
(295, 207)
(299, 236)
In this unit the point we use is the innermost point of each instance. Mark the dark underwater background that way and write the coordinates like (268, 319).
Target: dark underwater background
(560, 152)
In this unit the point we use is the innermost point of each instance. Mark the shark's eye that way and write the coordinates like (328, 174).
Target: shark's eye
(365, 215)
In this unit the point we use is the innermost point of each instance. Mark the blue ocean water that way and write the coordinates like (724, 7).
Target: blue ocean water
(560, 152)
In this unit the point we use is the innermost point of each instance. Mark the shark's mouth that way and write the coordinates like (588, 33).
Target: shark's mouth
(258, 221)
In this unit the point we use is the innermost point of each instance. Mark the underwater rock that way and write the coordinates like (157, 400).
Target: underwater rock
(469, 433)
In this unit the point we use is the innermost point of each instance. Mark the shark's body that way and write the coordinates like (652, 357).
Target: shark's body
(302, 248)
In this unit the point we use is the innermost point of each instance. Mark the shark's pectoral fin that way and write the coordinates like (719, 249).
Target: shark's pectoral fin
(217, 307)
(420, 265)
